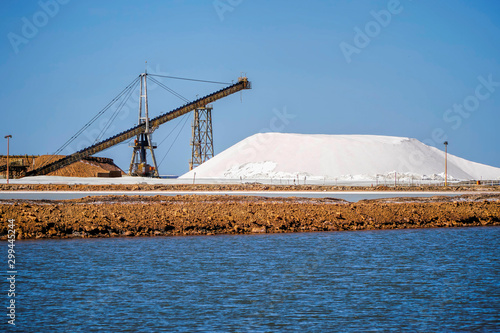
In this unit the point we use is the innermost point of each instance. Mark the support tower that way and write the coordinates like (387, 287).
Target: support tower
(202, 142)
(144, 140)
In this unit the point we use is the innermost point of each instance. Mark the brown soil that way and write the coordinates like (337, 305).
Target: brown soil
(239, 187)
(87, 167)
(113, 216)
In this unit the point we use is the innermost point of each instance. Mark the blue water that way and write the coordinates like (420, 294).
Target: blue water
(397, 280)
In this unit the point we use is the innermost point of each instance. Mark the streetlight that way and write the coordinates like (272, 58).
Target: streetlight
(8, 141)
(446, 163)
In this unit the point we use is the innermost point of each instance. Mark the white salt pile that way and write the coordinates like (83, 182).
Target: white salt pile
(342, 157)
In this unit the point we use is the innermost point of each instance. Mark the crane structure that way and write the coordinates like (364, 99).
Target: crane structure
(202, 142)
(144, 141)
(142, 130)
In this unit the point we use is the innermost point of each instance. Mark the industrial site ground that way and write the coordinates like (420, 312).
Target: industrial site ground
(242, 187)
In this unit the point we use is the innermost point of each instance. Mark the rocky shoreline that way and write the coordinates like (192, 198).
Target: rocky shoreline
(126, 216)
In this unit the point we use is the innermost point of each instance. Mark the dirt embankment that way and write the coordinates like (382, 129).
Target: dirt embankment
(239, 187)
(87, 167)
(114, 216)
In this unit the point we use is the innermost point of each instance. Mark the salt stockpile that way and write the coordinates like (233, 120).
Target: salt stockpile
(342, 157)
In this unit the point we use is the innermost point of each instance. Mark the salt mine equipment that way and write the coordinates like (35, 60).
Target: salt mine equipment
(144, 141)
(141, 131)
(202, 142)
(18, 165)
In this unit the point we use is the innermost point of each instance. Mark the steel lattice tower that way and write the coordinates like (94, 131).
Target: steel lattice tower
(202, 142)
(143, 141)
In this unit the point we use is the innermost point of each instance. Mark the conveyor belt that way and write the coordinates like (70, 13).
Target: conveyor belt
(243, 83)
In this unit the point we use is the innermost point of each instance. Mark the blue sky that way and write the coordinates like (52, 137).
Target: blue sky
(423, 69)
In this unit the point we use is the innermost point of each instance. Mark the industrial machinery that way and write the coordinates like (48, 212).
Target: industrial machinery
(18, 165)
(202, 142)
(144, 141)
(142, 132)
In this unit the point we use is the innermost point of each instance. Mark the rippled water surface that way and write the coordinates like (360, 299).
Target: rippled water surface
(398, 280)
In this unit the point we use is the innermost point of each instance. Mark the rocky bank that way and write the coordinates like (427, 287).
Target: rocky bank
(123, 216)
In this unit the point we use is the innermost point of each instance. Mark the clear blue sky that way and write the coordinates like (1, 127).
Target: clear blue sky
(400, 76)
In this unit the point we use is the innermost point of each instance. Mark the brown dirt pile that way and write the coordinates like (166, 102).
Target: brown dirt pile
(87, 167)
(113, 216)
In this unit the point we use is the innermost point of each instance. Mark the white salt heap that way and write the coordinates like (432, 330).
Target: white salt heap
(342, 157)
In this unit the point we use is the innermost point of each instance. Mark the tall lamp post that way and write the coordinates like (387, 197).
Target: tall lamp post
(8, 143)
(446, 163)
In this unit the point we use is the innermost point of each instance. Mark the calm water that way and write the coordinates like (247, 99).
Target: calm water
(399, 280)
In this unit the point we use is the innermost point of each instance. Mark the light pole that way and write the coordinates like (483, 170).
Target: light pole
(8, 142)
(446, 163)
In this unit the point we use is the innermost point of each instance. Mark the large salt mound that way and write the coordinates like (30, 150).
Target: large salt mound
(343, 157)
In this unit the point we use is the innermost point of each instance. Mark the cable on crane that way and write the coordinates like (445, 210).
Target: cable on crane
(170, 90)
(91, 121)
(117, 111)
(181, 97)
(176, 125)
(122, 104)
(186, 79)
(169, 148)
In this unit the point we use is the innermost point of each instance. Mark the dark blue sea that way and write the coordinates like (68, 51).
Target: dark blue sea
(423, 280)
